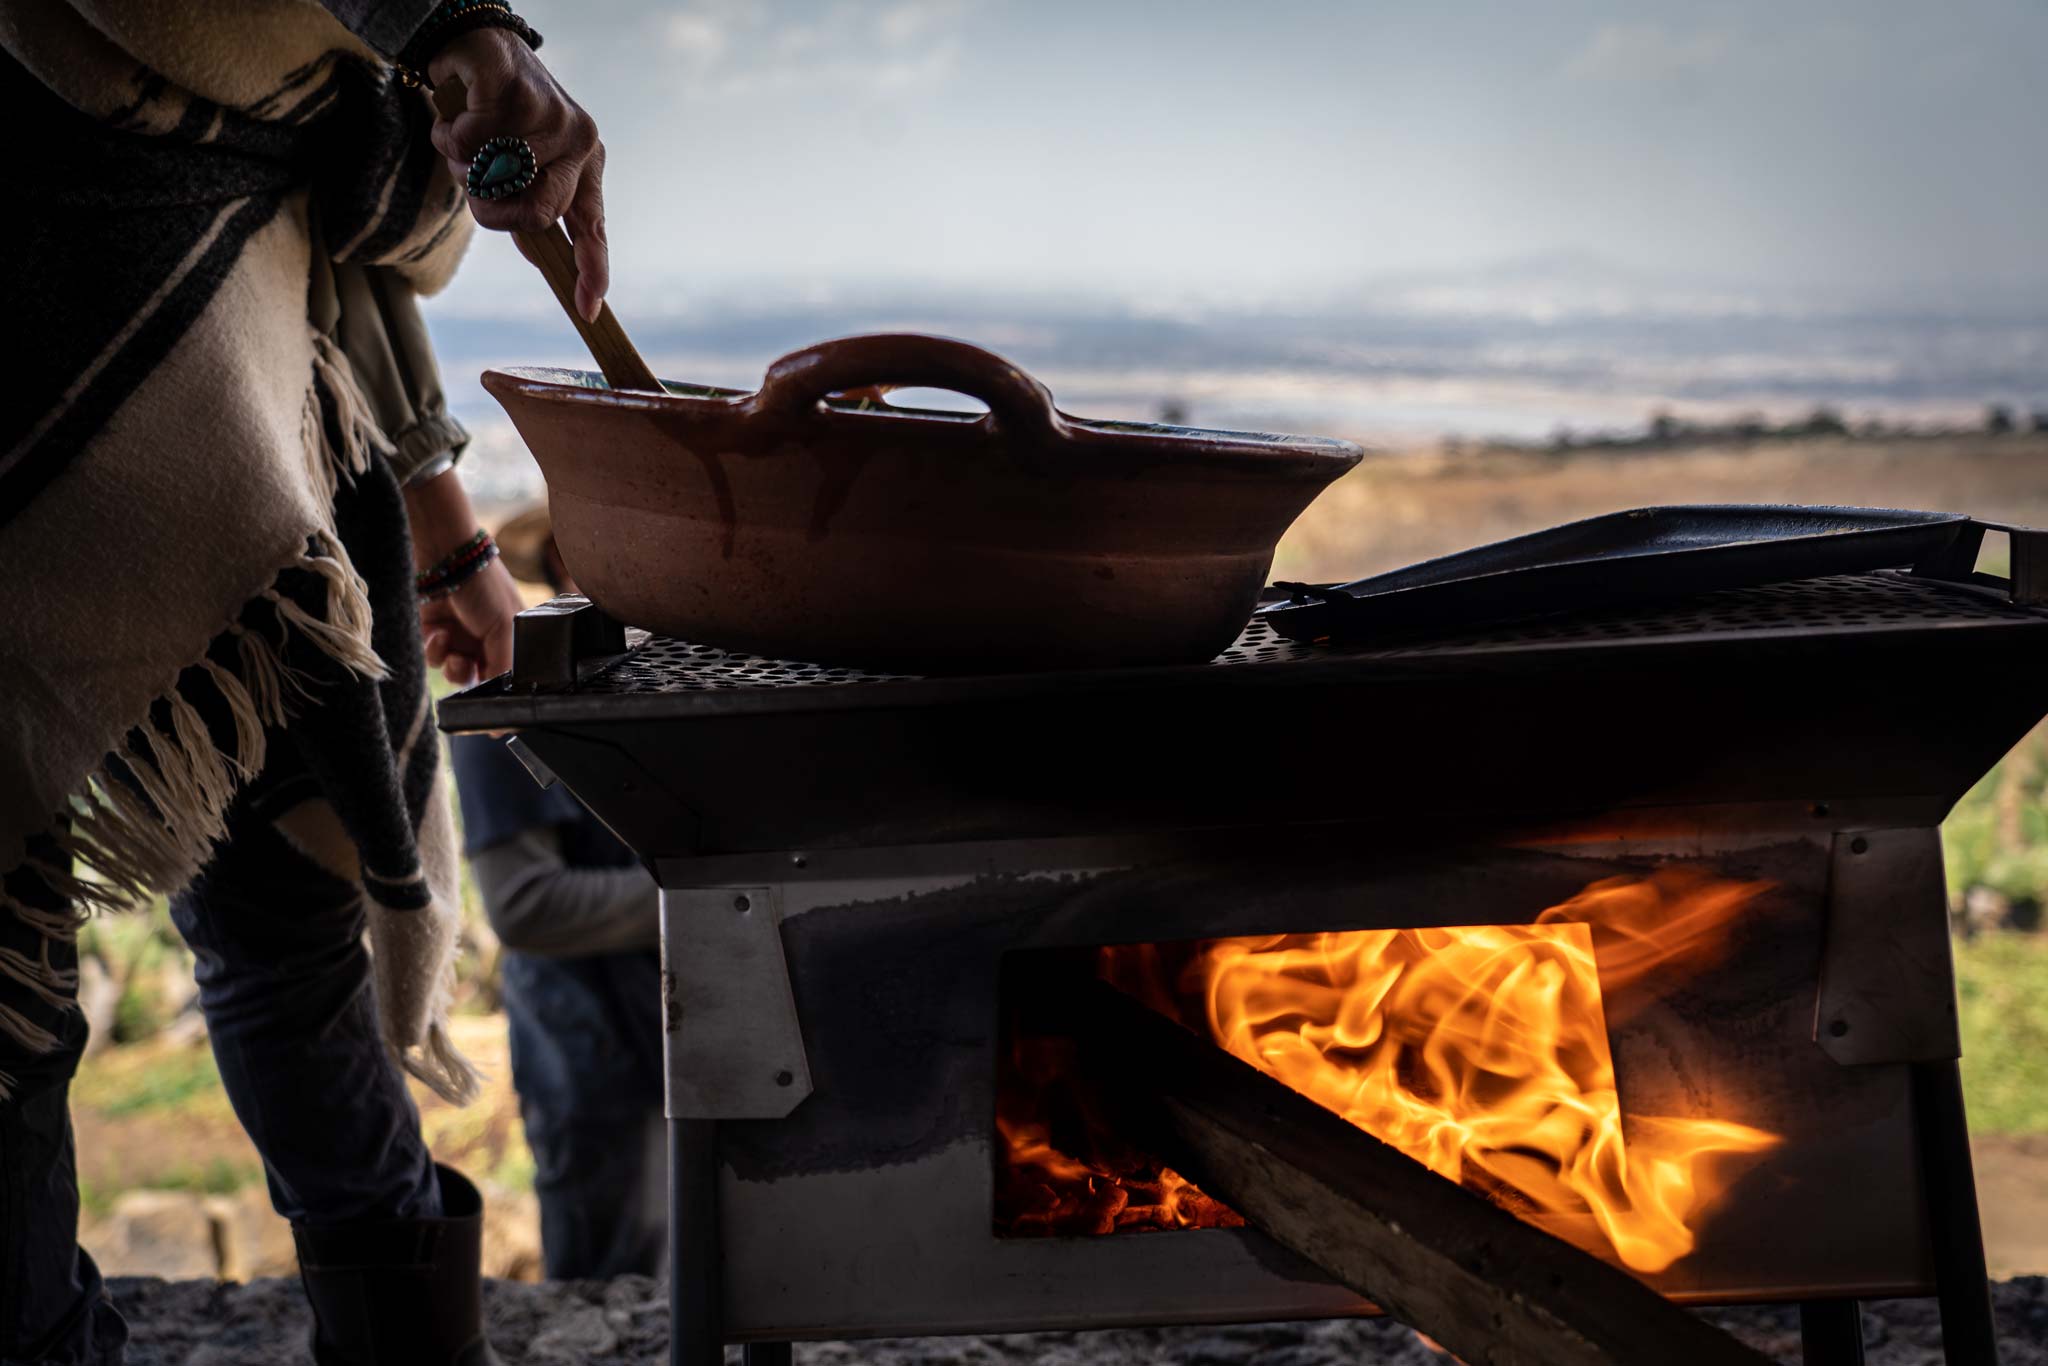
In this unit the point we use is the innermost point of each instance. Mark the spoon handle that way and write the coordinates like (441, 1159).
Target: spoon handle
(555, 258)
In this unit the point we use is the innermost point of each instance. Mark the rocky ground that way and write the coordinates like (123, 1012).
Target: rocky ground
(625, 1323)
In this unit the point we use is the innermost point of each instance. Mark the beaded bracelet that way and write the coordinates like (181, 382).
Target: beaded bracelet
(457, 567)
(449, 21)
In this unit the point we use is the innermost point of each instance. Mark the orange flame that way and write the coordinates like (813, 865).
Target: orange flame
(1481, 1051)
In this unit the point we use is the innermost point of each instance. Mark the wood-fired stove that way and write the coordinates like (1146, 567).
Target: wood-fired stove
(848, 861)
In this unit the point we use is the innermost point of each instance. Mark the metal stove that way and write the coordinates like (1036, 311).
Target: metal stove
(847, 860)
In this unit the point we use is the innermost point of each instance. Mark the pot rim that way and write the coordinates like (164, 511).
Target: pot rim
(586, 388)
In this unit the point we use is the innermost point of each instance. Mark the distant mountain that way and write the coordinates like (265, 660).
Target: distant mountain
(1517, 349)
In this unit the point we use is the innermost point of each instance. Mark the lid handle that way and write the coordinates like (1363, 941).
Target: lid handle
(1017, 403)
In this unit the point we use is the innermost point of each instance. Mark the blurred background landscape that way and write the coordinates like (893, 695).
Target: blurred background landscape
(1544, 262)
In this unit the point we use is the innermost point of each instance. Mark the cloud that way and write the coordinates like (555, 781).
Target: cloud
(910, 20)
(699, 38)
(1647, 53)
(736, 48)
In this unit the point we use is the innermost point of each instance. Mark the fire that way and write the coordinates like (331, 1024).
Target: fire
(1482, 1052)
(1046, 1192)
(1040, 1190)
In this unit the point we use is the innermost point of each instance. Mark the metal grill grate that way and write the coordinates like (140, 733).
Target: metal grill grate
(1815, 606)
(663, 664)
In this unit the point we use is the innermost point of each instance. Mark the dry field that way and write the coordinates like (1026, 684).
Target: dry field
(1398, 507)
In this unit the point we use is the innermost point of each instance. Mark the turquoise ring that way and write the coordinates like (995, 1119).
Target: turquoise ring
(501, 168)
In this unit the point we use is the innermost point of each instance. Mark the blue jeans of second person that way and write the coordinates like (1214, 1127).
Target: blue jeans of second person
(586, 1059)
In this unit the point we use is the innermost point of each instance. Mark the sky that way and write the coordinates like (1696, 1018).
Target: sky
(1308, 154)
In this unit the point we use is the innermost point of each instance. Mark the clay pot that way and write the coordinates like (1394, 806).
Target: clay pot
(800, 525)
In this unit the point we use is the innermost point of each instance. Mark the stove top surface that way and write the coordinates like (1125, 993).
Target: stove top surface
(705, 676)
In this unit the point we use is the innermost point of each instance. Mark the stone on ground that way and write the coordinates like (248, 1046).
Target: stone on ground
(625, 1323)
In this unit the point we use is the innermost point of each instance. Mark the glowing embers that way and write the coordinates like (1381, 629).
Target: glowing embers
(1041, 1190)
(1480, 1051)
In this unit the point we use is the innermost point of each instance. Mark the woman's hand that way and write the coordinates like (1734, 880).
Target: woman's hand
(467, 635)
(511, 93)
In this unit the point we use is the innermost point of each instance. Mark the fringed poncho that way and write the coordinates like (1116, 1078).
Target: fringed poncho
(220, 217)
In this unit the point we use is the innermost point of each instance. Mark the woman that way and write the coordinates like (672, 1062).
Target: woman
(233, 540)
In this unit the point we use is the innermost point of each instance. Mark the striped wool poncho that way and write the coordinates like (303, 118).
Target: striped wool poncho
(219, 220)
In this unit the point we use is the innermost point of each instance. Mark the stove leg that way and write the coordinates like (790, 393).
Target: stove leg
(767, 1354)
(695, 1283)
(1968, 1334)
(1831, 1333)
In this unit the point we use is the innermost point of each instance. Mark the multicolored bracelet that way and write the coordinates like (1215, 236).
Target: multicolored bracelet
(457, 567)
(450, 20)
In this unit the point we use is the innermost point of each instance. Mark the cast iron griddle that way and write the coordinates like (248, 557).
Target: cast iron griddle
(1622, 558)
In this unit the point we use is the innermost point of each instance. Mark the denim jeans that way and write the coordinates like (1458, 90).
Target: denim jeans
(586, 1060)
(284, 981)
(53, 1308)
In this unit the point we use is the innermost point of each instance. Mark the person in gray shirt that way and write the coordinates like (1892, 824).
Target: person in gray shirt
(578, 917)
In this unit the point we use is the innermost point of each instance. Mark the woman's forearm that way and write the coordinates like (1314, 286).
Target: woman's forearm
(441, 516)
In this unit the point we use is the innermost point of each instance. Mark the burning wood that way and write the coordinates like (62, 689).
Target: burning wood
(1479, 1051)
(1481, 1282)
(1041, 1190)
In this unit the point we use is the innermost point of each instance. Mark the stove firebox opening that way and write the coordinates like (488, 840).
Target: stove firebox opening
(1481, 1051)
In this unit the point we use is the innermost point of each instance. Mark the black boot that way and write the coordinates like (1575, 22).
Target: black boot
(400, 1292)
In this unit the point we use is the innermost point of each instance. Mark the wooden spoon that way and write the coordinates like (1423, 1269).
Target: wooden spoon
(550, 252)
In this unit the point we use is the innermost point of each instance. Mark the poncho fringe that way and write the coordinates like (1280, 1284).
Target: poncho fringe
(146, 828)
(187, 173)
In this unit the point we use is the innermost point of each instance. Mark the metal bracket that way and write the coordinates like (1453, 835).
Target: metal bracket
(1887, 979)
(536, 767)
(733, 1043)
(2027, 582)
(559, 641)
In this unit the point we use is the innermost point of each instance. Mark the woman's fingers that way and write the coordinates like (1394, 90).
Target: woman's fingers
(556, 129)
(585, 221)
(563, 155)
(533, 208)
(510, 94)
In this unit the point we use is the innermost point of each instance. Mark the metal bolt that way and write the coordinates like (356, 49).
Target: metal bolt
(785, 1077)
(799, 861)
(1838, 1028)
(743, 903)
(1820, 808)
(1859, 845)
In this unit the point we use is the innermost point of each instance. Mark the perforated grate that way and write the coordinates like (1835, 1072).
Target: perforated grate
(663, 664)
(1816, 606)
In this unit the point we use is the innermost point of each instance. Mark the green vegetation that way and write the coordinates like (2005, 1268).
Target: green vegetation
(148, 965)
(1997, 837)
(2002, 979)
(216, 1176)
(176, 1079)
(514, 1170)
